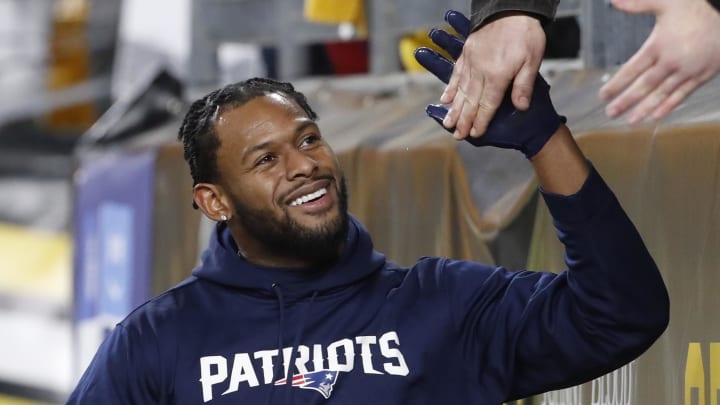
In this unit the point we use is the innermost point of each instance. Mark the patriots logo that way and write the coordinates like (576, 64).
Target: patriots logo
(321, 381)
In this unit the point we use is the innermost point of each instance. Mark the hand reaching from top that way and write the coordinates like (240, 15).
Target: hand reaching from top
(527, 131)
(681, 53)
(506, 51)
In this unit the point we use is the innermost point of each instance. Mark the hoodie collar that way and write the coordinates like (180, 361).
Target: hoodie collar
(221, 264)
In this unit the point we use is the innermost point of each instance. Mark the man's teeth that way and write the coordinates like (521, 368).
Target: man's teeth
(309, 197)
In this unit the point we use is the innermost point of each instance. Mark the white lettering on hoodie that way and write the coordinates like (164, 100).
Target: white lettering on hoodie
(339, 356)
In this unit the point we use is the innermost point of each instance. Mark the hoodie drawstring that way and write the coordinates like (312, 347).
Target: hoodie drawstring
(296, 342)
(281, 309)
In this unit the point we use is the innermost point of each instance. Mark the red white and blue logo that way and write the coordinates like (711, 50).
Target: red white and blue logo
(321, 381)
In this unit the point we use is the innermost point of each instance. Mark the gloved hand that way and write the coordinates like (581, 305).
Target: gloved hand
(526, 131)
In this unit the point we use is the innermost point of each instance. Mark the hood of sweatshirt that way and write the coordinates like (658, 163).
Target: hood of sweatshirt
(221, 264)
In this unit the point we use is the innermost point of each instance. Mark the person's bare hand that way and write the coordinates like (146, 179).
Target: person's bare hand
(509, 48)
(681, 53)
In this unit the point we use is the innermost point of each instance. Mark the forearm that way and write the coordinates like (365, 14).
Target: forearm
(481, 10)
(607, 309)
(560, 166)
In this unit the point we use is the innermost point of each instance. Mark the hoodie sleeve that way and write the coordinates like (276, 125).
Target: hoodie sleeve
(533, 332)
(120, 372)
(481, 10)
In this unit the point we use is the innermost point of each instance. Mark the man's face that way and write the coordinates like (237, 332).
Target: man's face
(283, 181)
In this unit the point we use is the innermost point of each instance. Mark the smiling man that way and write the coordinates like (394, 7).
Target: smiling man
(292, 305)
(282, 192)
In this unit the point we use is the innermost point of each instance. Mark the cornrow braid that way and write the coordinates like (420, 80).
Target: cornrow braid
(197, 131)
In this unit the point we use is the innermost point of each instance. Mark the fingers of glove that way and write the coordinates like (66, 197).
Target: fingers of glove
(433, 62)
(459, 22)
(446, 41)
(438, 113)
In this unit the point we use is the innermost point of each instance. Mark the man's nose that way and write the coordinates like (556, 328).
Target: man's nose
(300, 164)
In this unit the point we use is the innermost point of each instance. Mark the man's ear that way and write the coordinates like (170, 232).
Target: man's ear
(212, 201)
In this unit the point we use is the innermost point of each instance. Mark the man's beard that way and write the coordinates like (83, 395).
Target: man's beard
(285, 237)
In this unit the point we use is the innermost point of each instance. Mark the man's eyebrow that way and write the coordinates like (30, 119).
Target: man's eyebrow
(255, 148)
(298, 130)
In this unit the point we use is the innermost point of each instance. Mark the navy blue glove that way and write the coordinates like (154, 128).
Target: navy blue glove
(526, 131)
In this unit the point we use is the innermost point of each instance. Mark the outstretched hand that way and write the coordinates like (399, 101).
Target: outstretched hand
(681, 53)
(511, 128)
(506, 51)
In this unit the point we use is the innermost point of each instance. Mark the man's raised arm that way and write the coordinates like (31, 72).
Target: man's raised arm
(542, 331)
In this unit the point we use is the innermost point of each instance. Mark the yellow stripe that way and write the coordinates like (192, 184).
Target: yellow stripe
(6, 400)
(333, 11)
(35, 263)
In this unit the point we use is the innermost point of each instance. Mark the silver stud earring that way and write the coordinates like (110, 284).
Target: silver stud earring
(223, 217)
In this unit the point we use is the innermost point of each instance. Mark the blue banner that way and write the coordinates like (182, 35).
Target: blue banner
(113, 243)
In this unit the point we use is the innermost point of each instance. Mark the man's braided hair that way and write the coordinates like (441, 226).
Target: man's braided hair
(197, 132)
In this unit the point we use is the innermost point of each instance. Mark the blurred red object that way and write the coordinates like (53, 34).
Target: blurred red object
(348, 57)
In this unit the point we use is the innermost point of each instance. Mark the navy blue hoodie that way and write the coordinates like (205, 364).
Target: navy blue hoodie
(368, 331)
